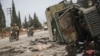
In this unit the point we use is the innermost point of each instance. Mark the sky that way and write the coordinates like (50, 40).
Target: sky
(27, 7)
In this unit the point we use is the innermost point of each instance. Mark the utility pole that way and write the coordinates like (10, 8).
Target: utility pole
(9, 11)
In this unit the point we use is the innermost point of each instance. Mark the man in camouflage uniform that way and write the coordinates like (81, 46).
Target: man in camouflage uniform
(15, 29)
(30, 31)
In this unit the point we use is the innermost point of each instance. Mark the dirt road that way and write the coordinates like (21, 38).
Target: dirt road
(23, 38)
(38, 45)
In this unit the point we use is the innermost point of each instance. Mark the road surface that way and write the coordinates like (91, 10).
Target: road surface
(43, 46)
(23, 38)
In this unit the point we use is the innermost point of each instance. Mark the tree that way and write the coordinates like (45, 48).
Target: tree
(19, 20)
(30, 21)
(2, 18)
(25, 24)
(14, 18)
(36, 23)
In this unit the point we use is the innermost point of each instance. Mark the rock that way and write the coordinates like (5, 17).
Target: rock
(24, 47)
(34, 50)
(32, 42)
(44, 40)
(43, 46)
(30, 48)
(18, 51)
(6, 51)
(28, 51)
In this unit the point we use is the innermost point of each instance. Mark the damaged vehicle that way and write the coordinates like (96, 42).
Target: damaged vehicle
(75, 24)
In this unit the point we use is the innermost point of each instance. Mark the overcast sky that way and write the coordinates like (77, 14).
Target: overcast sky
(27, 7)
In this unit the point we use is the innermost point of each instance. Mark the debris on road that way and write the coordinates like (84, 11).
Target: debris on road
(37, 47)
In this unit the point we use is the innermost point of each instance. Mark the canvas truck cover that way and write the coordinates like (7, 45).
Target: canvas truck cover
(68, 31)
(50, 11)
(53, 9)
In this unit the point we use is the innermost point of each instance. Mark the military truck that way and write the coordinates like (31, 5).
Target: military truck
(59, 27)
(50, 11)
(69, 22)
(75, 23)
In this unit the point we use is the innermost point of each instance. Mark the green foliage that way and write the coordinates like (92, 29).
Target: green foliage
(36, 23)
(25, 24)
(2, 18)
(14, 18)
(30, 21)
(19, 20)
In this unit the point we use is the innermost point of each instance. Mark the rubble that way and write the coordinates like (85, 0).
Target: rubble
(40, 44)
(37, 47)
(32, 42)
